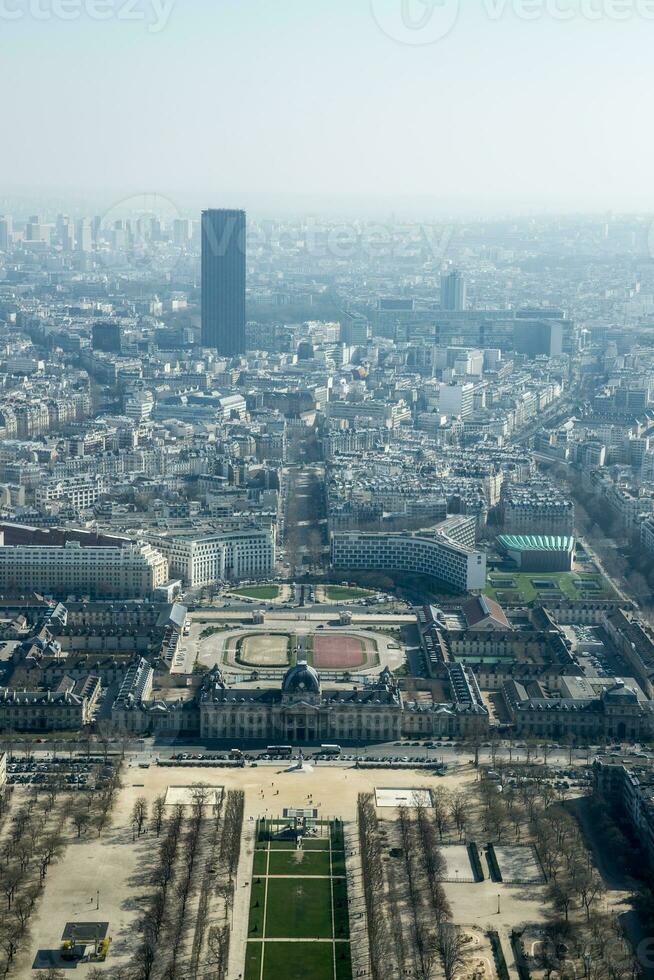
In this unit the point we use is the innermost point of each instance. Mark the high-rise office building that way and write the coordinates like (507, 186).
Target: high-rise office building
(6, 232)
(107, 336)
(181, 232)
(33, 229)
(453, 292)
(84, 235)
(538, 336)
(223, 281)
(456, 400)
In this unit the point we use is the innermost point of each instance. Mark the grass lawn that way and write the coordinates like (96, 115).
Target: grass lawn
(338, 863)
(341, 918)
(299, 908)
(343, 962)
(299, 863)
(290, 913)
(337, 835)
(257, 899)
(253, 961)
(316, 844)
(264, 592)
(260, 863)
(522, 583)
(299, 961)
(338, 593)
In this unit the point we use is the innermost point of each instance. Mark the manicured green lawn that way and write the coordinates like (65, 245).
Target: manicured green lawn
(260, 863)
(341, 917)
(338, 593)
(253, 961)
(289, 914)
(343, 961)
(316, 844)
(299, 863)
(299, 908)
(299, 961)
(565, 582)
(265, 592)
(257, 899)
(338, 863)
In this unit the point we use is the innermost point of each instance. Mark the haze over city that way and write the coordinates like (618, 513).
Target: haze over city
(326, 490)
(519, 106)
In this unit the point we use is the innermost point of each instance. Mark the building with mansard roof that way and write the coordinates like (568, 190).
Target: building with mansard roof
(303, 709)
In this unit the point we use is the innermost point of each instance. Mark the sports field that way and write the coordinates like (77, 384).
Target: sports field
(338, 651)
(264, 650)
(299, 926)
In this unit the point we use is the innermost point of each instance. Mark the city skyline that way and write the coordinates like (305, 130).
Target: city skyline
(326, 489)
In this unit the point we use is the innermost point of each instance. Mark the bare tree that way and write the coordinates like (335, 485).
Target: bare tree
(81, 820)
(451, 946)
(373, 885)
(561, 894)
(459, 806)
(158, 810)
(139, 814)
(441, 809)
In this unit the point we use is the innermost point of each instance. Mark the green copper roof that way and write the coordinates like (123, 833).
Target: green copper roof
(536, 542)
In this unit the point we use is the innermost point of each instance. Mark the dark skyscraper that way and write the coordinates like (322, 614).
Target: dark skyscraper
(223, 281)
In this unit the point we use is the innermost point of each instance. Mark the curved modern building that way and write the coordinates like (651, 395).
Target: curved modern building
(430, 553)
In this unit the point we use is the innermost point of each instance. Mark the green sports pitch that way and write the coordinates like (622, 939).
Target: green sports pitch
(299, 924)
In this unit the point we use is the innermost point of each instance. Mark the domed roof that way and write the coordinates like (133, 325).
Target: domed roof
(301, 678)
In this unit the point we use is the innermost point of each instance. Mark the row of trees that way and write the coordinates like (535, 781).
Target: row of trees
(408, 913)
(173, 949)
(32, 839)
(228, 854)
(206, 890)
(155, 919)
(435, 937)
(176, 938)
(372, 867)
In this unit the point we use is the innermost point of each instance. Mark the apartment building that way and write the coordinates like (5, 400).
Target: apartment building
(380, 412)
(128, 571)
(632, 790)
(536, 508)
(80, 492)
(647, 534)
(204, 559)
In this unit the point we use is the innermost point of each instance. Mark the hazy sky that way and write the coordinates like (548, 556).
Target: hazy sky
(332, 99)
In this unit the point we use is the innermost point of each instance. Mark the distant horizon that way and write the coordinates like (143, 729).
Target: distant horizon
(506, 106)
(269, 205)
